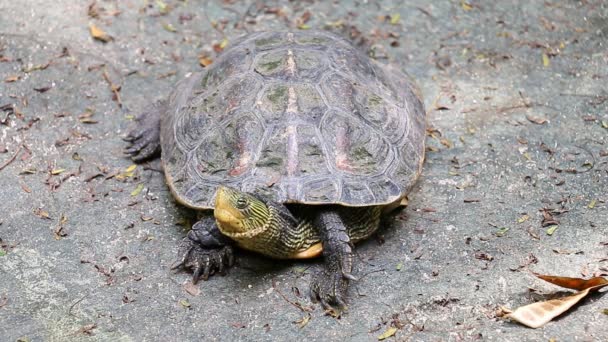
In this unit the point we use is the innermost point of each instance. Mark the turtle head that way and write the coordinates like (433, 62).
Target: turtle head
(239, 214)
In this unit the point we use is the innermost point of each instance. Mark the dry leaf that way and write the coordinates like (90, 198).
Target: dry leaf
(395, 18)
(536, 120)
(574, 283)
(42, 213)
(303, 321)
(465, 6)
(538, 314)
(388, 333)
(204, 61)
(447, 143)
(138, 189)
(192, 289)
(169, 27)
(10, 79)
(99, 34)
(545, 60)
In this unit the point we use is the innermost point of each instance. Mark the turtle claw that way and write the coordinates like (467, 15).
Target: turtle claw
(349, 276)
(203, 261)
(144, 138)
(329, 287)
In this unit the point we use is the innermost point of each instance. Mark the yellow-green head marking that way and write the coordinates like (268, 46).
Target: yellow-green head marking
(240, 215)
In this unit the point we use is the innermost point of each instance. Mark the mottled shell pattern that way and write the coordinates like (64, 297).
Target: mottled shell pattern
(303, 117)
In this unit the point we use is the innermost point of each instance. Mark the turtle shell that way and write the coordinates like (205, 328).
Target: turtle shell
(303, 117)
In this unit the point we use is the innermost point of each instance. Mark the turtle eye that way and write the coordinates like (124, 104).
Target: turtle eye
(241, 203)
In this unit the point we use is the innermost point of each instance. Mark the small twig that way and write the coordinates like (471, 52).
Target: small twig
(11, 159)
(371, 272)
(73, 305)
(297, 305)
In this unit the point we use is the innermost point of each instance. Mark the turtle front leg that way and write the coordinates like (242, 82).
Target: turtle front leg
(330, 285)
(205, 250)
(144, 139)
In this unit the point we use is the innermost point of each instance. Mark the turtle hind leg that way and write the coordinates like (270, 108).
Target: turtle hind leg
(144, 138)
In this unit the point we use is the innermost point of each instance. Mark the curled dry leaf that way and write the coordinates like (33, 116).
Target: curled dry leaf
(538, 314)
(536, 120)
(574, 283)
(99, 34)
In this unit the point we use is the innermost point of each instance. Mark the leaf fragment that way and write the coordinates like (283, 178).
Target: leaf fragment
(12, 78)
(56, 172)
(303, 321)
(536, 120)
(42, 213)
(523, 218)
(446, 142)
(592, 204)
(204, 61)
(131, 168)
(223, 44)
(99, 34)
(502, 231)
(192, 289)
(395, 18)
(388, 333)
(545, 59)
(465, 5)
(137, 190)
(551, 230)
(186, 304)
(163, 8)
(169, 27)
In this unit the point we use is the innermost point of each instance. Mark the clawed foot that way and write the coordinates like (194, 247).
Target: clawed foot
(329, 287)
(144, 139)
(203, 261)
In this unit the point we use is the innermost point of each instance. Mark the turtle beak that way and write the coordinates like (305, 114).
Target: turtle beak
(228, 217)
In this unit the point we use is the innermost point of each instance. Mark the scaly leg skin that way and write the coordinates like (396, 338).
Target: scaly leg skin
(330, 285)
(144, 139)
(205, 250)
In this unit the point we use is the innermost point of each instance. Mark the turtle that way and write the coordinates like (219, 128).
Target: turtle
(293, 145)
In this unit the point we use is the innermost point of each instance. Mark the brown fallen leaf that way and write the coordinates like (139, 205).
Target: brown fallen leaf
(42, 213)
(99, 34)
(192, 289)
(204, 61)
(538, 314)
(536, 120)
(11, 79)
(302, 322)
(574, 283)
(88, 329)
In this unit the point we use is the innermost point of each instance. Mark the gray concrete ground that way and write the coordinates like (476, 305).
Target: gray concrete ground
(517, 101)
